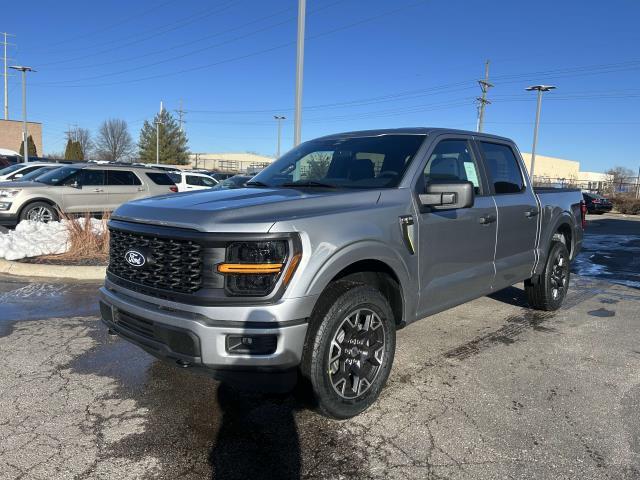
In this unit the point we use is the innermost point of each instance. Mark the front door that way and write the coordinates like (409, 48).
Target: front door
(456, 247)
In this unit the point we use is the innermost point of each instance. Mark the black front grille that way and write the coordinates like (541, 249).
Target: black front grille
(174, 265)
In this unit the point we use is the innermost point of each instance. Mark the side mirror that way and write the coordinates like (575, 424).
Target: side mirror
(448, 196)
(75, 184)
(17, 176)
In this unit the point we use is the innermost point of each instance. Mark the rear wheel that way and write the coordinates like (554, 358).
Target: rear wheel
(551, 289)
(349, 349)
(39, 212)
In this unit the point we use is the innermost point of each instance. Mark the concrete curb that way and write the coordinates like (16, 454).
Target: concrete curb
(52, 271)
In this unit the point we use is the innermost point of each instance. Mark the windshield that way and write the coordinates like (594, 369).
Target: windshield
(55, 177)
(36, 173)
(349, 162)
(12, 168)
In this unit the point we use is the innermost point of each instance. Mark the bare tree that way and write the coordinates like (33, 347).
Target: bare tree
(620, 175)
(83, 137)
(114, 142)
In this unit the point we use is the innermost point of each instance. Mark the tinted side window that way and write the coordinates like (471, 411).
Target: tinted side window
(452, 161)
(91, 177)
(193, 180)
(122, 177)
(160, 178)
(504, 170)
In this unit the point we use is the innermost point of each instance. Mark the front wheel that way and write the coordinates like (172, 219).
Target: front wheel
(39, 212)
(349, 349)
(551, 289)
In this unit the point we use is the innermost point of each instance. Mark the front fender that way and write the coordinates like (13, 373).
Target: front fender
(325, 271)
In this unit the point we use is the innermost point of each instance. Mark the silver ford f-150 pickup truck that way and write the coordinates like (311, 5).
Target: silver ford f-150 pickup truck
(309, 270)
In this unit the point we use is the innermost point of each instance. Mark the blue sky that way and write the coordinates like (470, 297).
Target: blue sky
(369, 64)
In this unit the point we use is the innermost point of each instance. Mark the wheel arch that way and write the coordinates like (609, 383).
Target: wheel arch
(373, 265)
(35, 200)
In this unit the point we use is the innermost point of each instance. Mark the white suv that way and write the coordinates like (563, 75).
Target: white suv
(188, 181)
(18, 170)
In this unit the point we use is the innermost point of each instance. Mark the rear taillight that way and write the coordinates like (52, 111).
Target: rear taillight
(174, 189)
(583, 213)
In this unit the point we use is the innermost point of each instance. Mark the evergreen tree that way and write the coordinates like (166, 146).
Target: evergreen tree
(73, 151)
(33, 152)
(173, 142)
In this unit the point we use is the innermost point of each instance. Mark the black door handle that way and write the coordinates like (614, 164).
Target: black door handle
(486, 219)
(531, 213)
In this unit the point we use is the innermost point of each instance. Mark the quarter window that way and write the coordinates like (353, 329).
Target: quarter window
(452, 161)
(502, 165)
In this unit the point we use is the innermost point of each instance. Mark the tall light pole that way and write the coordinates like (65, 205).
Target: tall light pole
(297, 121)
(158, 123)
(539, 89)
(279, 119)
(6, 75)
(24, 71)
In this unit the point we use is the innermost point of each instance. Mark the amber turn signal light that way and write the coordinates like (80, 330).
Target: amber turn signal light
(250, 268)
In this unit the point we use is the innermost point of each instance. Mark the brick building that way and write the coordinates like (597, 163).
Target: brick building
(11, 135)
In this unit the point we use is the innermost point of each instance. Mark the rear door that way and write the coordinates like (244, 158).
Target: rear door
(89, 195)
(123, 186)
(456, 247)
(517, 212)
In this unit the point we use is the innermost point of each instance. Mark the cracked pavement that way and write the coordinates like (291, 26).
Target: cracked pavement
(489, 389)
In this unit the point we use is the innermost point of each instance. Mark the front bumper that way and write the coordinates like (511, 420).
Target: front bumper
(196, 336)
(9, 219)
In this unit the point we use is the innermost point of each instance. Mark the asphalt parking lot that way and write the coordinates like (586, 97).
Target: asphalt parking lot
(489, 390)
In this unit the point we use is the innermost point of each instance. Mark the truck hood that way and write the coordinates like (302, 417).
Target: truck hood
(253, 210)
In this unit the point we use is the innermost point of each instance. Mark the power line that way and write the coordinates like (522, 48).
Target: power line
(174, 26)
(233, 59)
(113, 25)
(184, 44)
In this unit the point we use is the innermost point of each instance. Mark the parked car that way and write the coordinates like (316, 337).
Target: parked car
(34, 174)
(18, 170)
(596, 204)
(187, 181)
(78, 189)
(237, 181)
(311, 269)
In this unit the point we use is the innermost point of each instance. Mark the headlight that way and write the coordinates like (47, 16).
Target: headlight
(9, 193)
(253, 268)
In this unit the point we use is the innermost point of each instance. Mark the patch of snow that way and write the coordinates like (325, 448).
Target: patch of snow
(32, 239)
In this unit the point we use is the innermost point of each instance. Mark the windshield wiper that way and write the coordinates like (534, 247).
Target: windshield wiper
(308, 183)
(255, 183)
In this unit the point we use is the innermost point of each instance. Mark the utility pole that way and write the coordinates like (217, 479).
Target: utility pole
(25, 136)
(158, 123)
(6, 75)
(484, 86)
(279, 119)
(539, 89)
(297, 123)
(180, 113)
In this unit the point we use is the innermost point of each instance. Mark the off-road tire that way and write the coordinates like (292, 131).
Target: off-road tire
(541, 295)
(338, 303)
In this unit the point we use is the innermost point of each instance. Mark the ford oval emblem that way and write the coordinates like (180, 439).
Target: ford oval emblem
(135, 258)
